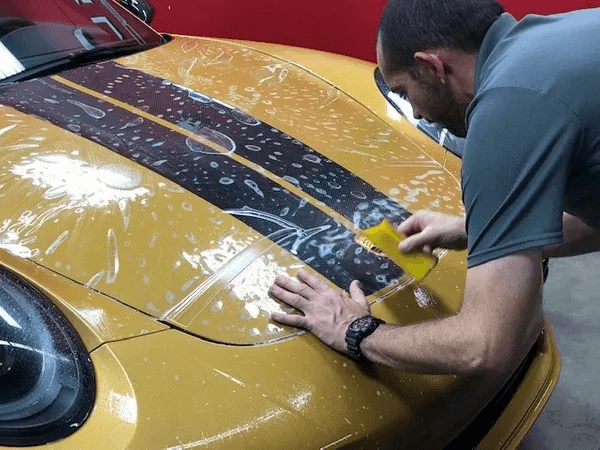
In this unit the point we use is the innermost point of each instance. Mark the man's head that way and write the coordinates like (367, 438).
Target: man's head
(426, 50)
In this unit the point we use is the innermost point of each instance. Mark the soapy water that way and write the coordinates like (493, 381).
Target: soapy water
(288, 229)
(91, 111)
(190, 167)
(83, 184)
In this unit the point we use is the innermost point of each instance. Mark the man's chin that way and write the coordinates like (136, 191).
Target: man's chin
(461, 133)
(457, 130)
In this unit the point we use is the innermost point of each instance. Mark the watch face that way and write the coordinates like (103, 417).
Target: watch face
(363, 322)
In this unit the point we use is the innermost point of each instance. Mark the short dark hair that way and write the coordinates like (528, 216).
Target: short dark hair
(409, 26)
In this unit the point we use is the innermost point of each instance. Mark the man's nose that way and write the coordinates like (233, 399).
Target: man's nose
(417, 114)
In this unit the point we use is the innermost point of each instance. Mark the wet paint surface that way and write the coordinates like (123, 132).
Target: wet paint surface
(291, 222)
(112, 226)
(188, 262)
(248, 137)
(104, 222)
(321, 116)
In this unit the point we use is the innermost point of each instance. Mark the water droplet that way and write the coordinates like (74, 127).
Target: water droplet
(91, 111)
(291, 180)
(312, 158)
(133, 123)
(63, 236)
(252, 185)
(244, 118)
(125, 212)
(95, 279)
(113, 257)
(358, 195)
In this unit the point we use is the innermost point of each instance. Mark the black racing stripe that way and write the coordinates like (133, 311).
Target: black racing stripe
(254, 140)
(285, 218)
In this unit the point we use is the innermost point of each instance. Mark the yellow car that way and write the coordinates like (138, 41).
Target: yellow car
(152, 187)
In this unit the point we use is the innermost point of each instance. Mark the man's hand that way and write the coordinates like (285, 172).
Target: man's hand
(427, 231)
(327, 311)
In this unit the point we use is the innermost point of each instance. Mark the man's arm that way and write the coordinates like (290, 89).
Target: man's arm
(496, 326)
(578, 238)
(499, 321)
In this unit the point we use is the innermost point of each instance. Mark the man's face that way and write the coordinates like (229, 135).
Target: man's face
(430, 99)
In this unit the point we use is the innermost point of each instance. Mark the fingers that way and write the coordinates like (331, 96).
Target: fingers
(411, 225)
(314, 282)
(290, 285)
(292, 320)
(326, 311)
(417, 242)
(357, 294)
(294, 293)
(415, 228)
(288, 291)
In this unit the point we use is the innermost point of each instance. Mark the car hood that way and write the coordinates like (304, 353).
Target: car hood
(181, 180)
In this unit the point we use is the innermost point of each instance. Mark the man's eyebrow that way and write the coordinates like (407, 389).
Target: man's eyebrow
(397, 90)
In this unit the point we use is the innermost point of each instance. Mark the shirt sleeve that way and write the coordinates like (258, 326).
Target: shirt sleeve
(519, 148)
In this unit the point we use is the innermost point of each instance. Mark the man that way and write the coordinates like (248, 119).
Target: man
(527, 96)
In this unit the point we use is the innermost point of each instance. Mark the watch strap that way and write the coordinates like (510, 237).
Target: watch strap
(355, 334)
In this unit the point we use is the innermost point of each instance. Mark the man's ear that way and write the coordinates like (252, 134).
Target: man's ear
(433, 63)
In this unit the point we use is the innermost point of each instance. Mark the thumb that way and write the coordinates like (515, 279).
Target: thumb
(357, 294)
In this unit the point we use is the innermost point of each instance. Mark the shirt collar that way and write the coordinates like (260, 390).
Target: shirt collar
(496, 32)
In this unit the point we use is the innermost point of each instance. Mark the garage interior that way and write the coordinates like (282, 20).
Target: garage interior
(571, 419)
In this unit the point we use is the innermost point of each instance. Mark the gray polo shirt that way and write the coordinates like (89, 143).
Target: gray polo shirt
(533, 141)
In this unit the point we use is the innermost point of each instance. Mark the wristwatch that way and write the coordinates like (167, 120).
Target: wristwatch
(357, 331)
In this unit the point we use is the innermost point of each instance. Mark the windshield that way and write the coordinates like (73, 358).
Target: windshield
(435, 131)
(38, 33)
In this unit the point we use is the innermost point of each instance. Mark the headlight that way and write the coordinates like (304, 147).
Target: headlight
(47, 381)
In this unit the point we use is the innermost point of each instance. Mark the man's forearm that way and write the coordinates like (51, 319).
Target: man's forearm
(433, 347)
(579, 238)
(495, 328)
(448, 345)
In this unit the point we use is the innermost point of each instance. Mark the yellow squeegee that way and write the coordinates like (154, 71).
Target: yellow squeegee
(386, 238)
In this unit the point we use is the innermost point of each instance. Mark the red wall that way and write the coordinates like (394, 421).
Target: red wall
(519, 8)
(339, 26)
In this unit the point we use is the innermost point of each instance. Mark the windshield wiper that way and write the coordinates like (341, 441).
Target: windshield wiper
(72, 60)
(97, 53)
